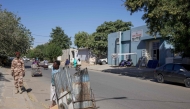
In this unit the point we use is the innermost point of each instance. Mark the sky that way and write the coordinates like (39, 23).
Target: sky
(41, 16)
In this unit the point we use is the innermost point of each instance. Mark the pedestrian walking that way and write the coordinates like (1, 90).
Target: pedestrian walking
(78, 64)
(67, 62)
(55, 69)
(18, 72)
(74, 63)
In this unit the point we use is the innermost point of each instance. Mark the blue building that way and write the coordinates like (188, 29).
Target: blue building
(137, 41)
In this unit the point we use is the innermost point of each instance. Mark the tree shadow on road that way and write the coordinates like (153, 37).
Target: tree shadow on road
(116, 98)
(140, 74)
(170, 83)
(148, 75)
(144, 100)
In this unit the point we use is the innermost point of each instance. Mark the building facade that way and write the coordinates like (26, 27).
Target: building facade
(83, 54)
(69, 54)
(137, 41)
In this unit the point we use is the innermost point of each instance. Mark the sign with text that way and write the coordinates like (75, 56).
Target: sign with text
(136, 35)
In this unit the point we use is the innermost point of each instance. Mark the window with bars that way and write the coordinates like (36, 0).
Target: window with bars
(155, 45)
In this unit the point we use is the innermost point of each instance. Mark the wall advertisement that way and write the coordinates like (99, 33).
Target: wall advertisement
(136, 35)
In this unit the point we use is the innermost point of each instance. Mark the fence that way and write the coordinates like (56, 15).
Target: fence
(63, 82)
(77, 85)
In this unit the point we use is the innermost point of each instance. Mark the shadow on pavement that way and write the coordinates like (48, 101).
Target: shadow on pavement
(2, 78)
(143, 74)
(169, 83)
(47, 99)
(145, 100)
(111, 98)
(132, 72)
(26, 90)
(158, 101)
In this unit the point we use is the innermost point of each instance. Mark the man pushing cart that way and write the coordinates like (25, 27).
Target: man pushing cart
(73, 91)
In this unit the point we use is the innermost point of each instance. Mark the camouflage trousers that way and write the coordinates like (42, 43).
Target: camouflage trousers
(18, 80)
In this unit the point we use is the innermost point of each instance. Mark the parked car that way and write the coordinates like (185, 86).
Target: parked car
(173, 72)
(26, 59)
(103, 61)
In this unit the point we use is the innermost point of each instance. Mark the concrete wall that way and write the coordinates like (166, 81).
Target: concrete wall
(130, 46)
(83, 54)
(112, 47)
(165, 52)
(125, 48)
(126, 36)
(69, 54)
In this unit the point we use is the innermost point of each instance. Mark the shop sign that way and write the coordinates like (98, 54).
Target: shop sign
(136, 35)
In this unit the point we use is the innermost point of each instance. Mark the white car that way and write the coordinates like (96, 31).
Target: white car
(26, 59)
(103, 61)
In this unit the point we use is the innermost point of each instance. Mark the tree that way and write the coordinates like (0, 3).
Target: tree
(82, 39)
(99, 38)
(38, 54)
(53, 51)
(13, 35)
(59, 38)
(168, 18)
(30, 54)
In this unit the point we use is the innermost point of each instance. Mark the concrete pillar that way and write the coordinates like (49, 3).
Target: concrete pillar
(120, 46)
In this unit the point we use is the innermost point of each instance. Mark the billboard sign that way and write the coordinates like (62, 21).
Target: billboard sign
(136, 35)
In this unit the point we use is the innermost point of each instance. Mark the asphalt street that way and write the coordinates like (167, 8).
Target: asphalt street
(114, 91)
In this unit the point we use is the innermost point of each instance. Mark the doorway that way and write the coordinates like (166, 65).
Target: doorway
(155, 50)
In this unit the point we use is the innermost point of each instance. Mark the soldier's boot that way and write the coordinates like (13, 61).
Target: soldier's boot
(16, 90)
(20, 90)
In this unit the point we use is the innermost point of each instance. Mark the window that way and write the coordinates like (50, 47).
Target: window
(177, 67)
(187, 67)
(168, 67)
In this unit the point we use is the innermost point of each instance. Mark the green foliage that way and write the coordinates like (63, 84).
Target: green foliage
(59, 38)
(98, 40)
(30, 54)
(168, 18)
(53, 51)
(45, 51)
(13, 35)
(82, 39)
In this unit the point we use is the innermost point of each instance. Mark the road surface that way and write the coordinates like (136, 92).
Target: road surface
(113, 91)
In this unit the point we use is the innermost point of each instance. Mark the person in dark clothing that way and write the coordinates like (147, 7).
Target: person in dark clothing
(67, 63)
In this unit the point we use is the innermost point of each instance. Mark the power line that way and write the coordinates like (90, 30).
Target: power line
(46, 36)
(40, 42)
(40, 35)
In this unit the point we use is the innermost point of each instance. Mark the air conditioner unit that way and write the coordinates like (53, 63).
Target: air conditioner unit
(144, 52)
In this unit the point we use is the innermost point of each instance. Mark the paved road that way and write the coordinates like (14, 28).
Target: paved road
(113, 91)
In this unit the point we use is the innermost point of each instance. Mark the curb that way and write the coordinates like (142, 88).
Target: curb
(26, 96)
(140, 73)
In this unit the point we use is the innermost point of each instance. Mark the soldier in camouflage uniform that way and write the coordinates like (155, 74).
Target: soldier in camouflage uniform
(18, 72)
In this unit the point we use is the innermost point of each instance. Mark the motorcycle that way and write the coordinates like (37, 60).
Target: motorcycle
(129, 63)
(125, 63)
